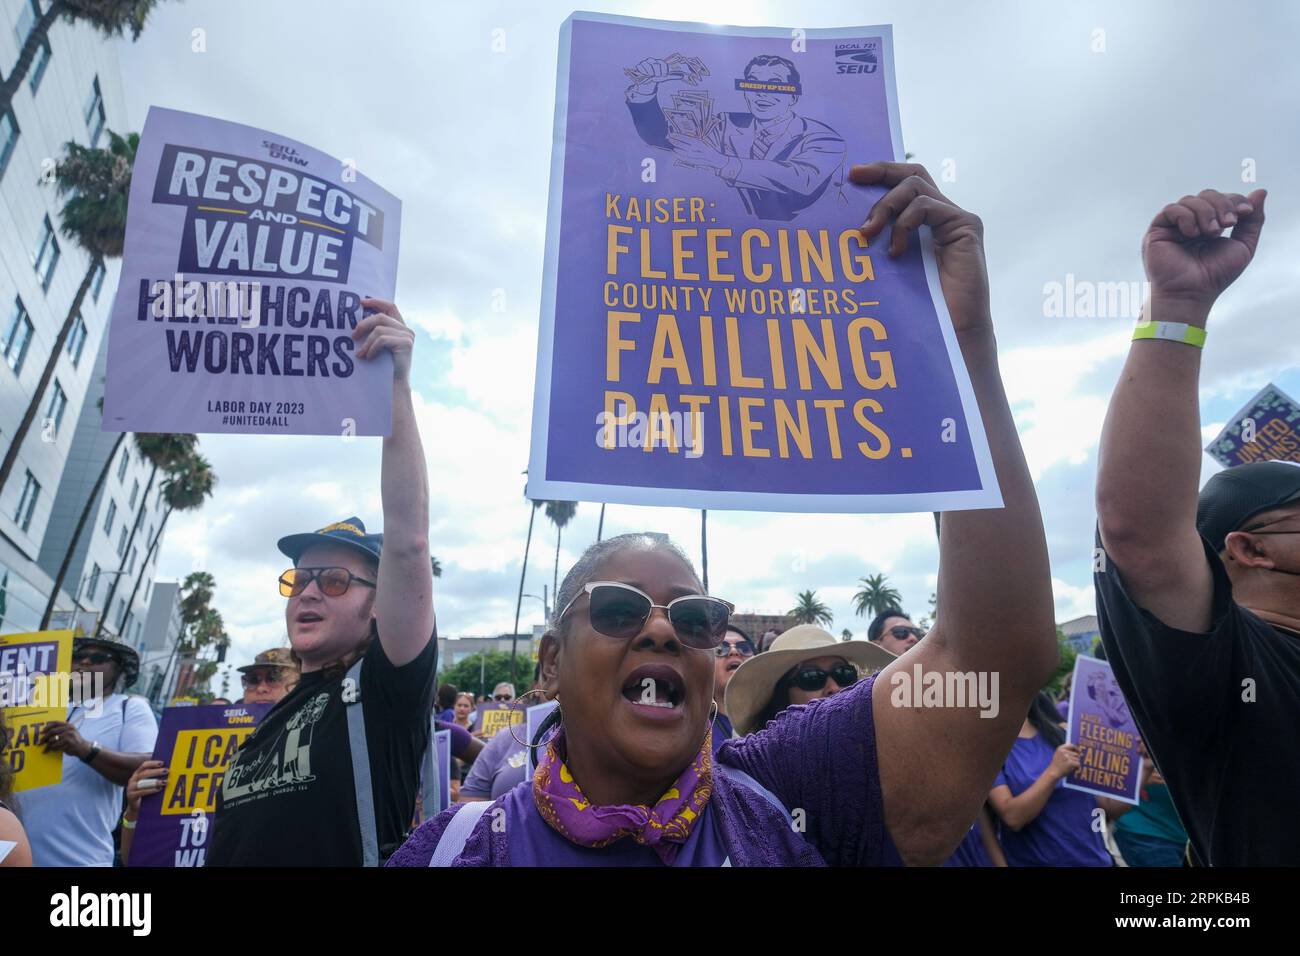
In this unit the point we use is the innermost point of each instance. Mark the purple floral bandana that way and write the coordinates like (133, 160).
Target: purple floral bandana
(663, 827)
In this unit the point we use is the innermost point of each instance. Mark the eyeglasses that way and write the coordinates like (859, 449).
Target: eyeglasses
(619, 610)
(253, 679)
(502, 698)
(814, 678)
(902, 632)
(742, 647)
(93, 657)
(333, 582)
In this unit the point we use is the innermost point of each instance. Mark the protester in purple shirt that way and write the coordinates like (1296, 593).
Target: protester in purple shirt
(446, 704)
(464, 745)
(630, 778)
(1043, 822)
(735, 649)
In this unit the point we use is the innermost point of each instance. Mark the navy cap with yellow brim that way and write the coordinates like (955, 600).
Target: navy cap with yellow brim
(350, 533)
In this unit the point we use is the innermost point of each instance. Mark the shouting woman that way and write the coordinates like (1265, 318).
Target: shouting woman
(630, 778)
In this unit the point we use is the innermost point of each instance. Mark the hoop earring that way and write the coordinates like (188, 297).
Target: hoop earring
(714, 716)
(523, 743)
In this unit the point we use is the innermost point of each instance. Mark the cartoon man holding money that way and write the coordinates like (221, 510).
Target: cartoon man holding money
(778, 161)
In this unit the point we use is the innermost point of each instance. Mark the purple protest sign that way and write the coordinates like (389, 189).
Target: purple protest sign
(714, 332)
(247, 257)
(196, 744)
(442, 749)
(1266, 429)
(1110, 764)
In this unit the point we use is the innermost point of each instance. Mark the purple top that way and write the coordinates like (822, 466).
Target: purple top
(1062, 834)
(499, 768)
(819, 757)
(460, 737)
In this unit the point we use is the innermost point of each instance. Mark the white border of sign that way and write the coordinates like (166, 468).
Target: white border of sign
(988, 495)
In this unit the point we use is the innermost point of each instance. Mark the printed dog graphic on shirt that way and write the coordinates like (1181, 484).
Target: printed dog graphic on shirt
(286, 763)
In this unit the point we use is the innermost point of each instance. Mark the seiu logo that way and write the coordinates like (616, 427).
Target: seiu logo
(854, 60)
(287, 153)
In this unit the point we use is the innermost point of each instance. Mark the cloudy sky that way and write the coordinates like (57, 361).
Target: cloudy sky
(1065, 149)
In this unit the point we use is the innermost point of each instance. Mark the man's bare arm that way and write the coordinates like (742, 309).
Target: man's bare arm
(1149, 462)
(404, 605)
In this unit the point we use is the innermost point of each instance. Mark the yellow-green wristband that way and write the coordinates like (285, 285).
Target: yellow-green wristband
(1170, 332)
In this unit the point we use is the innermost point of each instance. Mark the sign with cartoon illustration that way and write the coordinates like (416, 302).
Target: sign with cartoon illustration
(715, 331)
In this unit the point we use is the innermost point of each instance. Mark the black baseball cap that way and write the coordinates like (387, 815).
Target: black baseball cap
(1235, 495)
(351, 533)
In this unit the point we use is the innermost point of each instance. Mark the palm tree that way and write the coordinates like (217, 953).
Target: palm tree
(196, 593)
(437, 567)
(162, 450)
(875, 595)
(846, 635)
(95, 219)
(91, 500)
(189, 483)
(519, 602)
(809, 610)
(209, 631)
(560, 513)
(110, 17)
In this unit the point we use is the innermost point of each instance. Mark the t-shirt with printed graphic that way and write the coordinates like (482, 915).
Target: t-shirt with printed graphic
(288, 798)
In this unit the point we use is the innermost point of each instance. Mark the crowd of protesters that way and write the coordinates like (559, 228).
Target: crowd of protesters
(679, 739)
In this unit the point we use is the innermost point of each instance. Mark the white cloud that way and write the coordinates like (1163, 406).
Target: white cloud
(462, 135)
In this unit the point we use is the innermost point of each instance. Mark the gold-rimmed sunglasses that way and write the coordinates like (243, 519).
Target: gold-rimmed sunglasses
(333, 582)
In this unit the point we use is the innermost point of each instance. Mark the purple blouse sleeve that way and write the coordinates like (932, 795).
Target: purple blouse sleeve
(460, 737)
(821, 758)
(418, 848)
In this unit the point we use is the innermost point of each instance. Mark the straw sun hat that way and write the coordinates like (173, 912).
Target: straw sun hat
(751, 686)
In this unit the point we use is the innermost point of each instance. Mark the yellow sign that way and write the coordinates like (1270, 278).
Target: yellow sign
(494, 717)
(197, 766)
(35, 675)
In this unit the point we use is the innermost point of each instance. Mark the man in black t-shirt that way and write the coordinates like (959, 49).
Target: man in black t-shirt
(1198, 598)
(360, 620)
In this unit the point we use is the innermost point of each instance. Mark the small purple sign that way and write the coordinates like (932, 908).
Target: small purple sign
(715, 331)
(1110, 764)
(247, 257)
(196, 744)
(442, 750)
(1266, 429)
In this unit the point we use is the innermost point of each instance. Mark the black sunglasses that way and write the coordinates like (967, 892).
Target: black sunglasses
(742, 647)
(93, 657)
(814, 678)
(621, 611)
(502, 698)
(253, 679)
(333, 582)
(902, 632)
